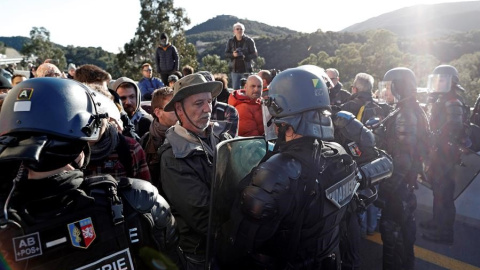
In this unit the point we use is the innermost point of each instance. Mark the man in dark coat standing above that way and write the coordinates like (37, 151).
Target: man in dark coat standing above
(240, 50)
(166, 58)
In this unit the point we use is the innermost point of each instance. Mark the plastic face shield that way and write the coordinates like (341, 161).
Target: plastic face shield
(439, 83)
(385, 94)
(268, 125)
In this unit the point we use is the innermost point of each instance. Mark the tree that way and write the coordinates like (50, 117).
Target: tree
(2, 48)
(259, 63)
(157, 16)
(187, 51)
(214, 64)
(469, 75)
(380, 53)
(41, 47)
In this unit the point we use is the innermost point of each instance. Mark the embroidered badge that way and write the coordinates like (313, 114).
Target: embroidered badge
(354, 149)
(82, 233)
(27, 246)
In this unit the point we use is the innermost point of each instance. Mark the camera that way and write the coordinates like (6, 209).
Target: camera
(239, 51)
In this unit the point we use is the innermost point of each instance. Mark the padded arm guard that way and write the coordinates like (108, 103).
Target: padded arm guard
(353, 129)
(144, 198)
(271, 181)
(371, 173)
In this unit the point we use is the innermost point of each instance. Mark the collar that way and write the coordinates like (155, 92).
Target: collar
(184, 142)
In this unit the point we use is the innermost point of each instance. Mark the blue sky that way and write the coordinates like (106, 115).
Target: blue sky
(111, 23)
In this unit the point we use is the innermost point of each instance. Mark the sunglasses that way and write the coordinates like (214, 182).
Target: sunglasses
(147, 70)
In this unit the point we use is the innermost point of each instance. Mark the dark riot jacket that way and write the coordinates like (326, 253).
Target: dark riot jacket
(282, 214)
(54, 202)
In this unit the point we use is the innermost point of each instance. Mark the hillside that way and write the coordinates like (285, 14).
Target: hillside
(426, 20)
(14, 42)
(220, 27)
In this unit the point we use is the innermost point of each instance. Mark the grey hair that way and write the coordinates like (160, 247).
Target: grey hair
(334, 70)
(363, 82)
(239, 24)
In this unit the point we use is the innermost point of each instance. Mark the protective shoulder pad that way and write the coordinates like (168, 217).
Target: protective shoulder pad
(274, 175)
(270, 180)
(140, 194)
(342, 118)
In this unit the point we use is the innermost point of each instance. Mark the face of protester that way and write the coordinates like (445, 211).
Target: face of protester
(147, 72)
(18, 80)
(253, 87)
(333, 77)
(196, 112)
(128, 96)
(165, 118)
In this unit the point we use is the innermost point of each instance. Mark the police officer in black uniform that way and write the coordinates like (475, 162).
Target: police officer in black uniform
(56, 219)
(448, 122)
(289, 207)
(405, 134)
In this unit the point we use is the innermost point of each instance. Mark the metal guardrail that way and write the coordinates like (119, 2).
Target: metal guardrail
(6, 61)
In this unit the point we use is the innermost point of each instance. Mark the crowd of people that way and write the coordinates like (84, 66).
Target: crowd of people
(119, 174)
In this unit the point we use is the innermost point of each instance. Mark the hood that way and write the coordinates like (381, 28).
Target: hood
(164, 47)
(240, 96)
(184, 142)
(121, 80)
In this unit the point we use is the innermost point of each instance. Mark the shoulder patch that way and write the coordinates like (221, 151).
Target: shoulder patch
(82, 233)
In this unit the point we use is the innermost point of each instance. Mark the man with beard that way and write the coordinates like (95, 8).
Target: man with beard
(155, 137)
(130, 96)
(186, 163)
(115, 152)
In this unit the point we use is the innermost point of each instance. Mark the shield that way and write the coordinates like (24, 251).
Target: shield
(465, 170)
(234, 160)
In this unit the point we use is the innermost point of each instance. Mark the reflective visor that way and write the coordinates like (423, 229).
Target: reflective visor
(439, 83)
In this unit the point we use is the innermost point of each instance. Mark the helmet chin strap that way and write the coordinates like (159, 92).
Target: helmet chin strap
(87, 152)
(282, 130)
(188, 118)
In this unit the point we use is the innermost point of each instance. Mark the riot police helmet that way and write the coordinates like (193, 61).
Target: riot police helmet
(48, 122)
(401, 82)
(443, 79)
(299, 97)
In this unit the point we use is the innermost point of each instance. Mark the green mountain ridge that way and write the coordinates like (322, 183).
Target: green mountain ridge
(425, 20)
(410, 22)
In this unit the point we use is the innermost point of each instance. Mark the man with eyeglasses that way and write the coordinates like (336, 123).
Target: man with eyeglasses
(240, 51)
(148, 83)
(338, 96)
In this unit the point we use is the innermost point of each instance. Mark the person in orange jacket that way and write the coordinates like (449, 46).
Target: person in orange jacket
(248, 104)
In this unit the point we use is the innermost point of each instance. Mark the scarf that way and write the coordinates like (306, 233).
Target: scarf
(106, 145)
